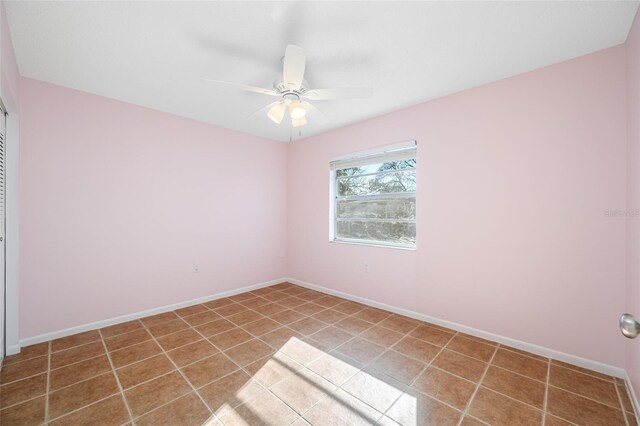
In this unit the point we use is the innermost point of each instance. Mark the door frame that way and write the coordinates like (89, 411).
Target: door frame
(12, 246)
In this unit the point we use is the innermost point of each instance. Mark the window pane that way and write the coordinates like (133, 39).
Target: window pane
(396, 208)
(372, 168)
(400, 181)
(389, 232)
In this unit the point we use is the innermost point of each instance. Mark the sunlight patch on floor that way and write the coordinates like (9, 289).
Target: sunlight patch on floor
(323, 387)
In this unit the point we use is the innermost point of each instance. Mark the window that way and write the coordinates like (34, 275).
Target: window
(374, 197)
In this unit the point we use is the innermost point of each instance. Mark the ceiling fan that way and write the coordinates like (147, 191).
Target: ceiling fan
(293, 91)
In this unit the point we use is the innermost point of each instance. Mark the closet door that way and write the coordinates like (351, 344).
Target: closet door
(3, 293)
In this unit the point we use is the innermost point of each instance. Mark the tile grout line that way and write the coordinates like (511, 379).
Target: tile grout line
(435, 367)
(462, 378)
(386, 350)
(511, 397)
(305, 316)
(524, 376)
(115, 375)
(23, 401)
(75, 410)
(475, 391)
(324, 397)
(624, 414)
(178, 397)
(581, 370)
(546, 394)
(365, 364)
(476, 419)
(281, 380)
(196, 390)
(515, 399)
(275, 351)
(565, 420)
(212, 414)
(451, 350)
(522, 352)
(547, 384)
(391, 348)
(591, 376)
(76, 362)
(492, 390)
(432, 359)
(12, 363)
(150, 380)
(97, 374)
(46, 398)
(581, 396)
(548, 361)
(304, 367)
(422, 372)
(339, 387)
(25, 377)
(47, 386)
(268, 390)
(240, 368)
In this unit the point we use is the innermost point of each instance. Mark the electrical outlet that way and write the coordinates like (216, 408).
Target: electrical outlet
(365, 266)
(196, 268)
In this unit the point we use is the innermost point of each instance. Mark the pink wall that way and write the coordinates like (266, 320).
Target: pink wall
(514, 178)
(633, 196)
(118, 201)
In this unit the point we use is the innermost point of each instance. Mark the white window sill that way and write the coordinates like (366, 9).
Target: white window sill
(358, 243)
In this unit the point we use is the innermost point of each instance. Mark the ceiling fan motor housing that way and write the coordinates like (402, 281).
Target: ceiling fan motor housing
(289, 97)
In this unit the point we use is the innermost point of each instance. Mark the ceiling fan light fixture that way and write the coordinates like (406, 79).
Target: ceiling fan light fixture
(298, 123)
(296, 110)
(276, 113)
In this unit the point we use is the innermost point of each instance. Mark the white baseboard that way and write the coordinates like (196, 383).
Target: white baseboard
(13, 349)
(632, 394)
(124, 318)
(538, 350)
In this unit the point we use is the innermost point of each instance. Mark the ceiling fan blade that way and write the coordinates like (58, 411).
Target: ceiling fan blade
(293, 67)
(276, 112)
(315, 114)
(330, 94)
(244, 87)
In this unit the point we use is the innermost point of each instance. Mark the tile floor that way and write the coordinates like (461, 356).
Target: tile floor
(285, 355)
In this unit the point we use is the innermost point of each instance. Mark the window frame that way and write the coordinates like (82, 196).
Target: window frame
(333, 196)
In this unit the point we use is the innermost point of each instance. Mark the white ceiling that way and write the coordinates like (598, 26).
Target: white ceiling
(156, 54)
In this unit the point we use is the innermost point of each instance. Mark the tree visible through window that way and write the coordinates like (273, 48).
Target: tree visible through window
(375, 198)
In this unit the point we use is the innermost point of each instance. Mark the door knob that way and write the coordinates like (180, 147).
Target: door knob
(629, 326)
